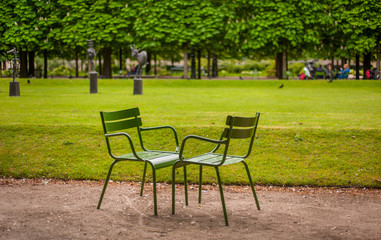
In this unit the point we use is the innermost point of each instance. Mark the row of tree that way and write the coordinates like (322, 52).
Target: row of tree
(286, 29)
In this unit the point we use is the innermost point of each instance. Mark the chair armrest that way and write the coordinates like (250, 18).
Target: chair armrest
(163, 127)
(198, 138)
(108, 135)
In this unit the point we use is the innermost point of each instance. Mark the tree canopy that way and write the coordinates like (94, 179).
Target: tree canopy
(327, 28)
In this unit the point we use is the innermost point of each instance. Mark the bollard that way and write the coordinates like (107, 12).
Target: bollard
(138, 86)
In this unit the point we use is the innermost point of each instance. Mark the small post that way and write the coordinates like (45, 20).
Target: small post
(92, 73)
(138, 86)
(14, 86)
(93, 82)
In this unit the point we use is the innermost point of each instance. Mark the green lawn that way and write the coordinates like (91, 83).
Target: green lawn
(310, 132)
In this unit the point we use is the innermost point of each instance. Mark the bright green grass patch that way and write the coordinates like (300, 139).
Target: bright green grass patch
(310, 132)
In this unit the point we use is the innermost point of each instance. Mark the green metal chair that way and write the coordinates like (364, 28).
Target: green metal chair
(320, 75)
(238, 128)
(114, 125)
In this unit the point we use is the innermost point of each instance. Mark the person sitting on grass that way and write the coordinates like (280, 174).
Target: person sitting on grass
(344, 72)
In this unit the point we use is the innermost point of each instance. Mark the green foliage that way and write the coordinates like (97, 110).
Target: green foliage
(62, 71)
(361, 24)
(163, 72)
(28, 23)
(115, 69)
(270, 69)
(54, 63)
(252, 66)
(296, 67)
(234, 66)
(6, 73)
(248, 28)
(273, 26)
(174, 23)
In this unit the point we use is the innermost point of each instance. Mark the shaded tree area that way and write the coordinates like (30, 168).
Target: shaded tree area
(178, 25)
(211, 29)
(27, 26)
(276, 28)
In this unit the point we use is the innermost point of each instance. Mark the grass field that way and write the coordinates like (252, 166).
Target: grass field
(310, 132)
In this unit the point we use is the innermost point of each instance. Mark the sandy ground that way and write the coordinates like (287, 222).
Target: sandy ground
(51, 209)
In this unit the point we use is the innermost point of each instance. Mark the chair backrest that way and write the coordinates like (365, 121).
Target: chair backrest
(120, 120)
(320, 74)
(241, 128)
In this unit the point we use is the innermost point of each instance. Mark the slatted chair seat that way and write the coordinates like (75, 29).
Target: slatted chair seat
(237, 128)
(156, 158)
(115, 124)
(214, 159)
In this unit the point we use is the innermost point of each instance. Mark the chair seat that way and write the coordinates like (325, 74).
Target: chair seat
(157, 158)
(213, 159)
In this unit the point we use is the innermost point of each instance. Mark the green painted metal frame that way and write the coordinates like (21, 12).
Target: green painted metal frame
(119, 121)
(249, 131)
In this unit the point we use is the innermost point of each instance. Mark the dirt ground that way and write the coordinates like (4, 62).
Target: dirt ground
(53, 209)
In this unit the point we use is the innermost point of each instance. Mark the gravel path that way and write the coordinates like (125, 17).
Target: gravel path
(54, 209)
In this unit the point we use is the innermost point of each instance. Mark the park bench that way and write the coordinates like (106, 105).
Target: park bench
(115, 124)
(239, 128)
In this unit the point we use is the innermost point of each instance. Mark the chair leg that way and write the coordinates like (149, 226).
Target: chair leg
(200, 185)
(222, 197)
(185, 185)
(144, 178)
(251, 185)
(154, 191)
(173, 187)
(106, 182)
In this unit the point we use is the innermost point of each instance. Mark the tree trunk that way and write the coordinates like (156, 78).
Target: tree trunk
(208, 70)
(216, 63)
(279, 63)
(214, 66)
(100, 63)
(120, 59)
(45, 63)
(193, 65)
(76, 62)
(31, 63)
(23, 64)
(366, 63)
(107, 71)
(148, 65)
(185, 61)
(199, 63)
(333, 63)
(155, 69)
(286, 60)
(284, 64)
(357, 66)
(276, 65)
(378, 56)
